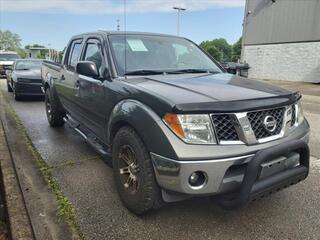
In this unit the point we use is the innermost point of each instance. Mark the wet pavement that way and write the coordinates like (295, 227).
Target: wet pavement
(87, 181)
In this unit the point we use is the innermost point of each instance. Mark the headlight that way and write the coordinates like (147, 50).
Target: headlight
(195, 129)
(300, 115)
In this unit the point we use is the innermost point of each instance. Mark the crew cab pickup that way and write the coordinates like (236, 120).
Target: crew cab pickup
(174, 123)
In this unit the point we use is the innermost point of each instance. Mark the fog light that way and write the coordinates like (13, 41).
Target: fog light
(197, 179)
(193, 178)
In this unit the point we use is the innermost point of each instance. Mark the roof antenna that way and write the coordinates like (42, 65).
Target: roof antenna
(125, 36)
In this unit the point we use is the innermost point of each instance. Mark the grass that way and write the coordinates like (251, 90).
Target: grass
(3, 231)
(65, 209)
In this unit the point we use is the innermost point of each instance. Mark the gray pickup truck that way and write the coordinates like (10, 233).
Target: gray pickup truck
(175, 124)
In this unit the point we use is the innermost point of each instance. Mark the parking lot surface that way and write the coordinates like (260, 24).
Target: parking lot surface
(87, 181)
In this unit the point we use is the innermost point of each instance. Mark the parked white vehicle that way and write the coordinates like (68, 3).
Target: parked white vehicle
(7, 59)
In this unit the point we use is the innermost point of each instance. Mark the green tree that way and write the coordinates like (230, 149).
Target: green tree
(22, 52)
(214, 52)
(224, 47)
(221, 45)
(236, 50)
(9, 41)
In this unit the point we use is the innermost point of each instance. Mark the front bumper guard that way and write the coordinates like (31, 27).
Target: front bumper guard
(253, 188)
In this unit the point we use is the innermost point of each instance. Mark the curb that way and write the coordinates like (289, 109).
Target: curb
(35, 182)
(18, 219)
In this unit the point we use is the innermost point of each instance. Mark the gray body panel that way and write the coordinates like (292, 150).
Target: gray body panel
(283, 21)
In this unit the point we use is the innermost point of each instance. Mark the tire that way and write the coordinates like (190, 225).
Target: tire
(54, 114)
(9, 88)
(144, 195)
(17, 97)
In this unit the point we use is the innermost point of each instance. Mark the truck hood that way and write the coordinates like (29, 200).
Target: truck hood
(30, 74)
(209, 92)
(6, 62)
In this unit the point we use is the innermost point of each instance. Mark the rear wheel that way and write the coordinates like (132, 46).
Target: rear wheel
(133, 173)
(54, 114)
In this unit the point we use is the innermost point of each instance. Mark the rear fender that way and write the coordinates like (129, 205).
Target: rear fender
(48, 83)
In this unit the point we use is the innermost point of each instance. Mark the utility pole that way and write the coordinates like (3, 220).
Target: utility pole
(179, 9)
(118, 24)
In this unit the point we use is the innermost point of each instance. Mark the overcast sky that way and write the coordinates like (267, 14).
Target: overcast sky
(55, 21)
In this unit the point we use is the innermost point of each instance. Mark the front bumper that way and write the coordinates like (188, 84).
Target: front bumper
(31, 89)
(228, 175)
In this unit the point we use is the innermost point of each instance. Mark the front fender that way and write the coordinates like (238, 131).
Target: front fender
(14, 78)
(146, 123)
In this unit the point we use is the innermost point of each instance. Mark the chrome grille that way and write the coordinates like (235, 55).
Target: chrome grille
(256, 119)
(224, 127)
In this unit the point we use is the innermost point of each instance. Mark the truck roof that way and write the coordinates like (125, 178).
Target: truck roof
(30, 59)
(7, 52)
(106, 32)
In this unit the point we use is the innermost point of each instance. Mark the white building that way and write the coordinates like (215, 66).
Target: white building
(281, 39)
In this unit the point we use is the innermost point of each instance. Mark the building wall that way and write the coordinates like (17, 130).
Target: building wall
(33, 53)
(282, 21)
(292, 61)
(282, 39)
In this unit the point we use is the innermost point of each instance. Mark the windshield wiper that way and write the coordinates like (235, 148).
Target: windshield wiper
(190, 70)
(144, 72)
(23, 69)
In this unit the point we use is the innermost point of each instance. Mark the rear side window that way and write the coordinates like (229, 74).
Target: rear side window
(74, 54)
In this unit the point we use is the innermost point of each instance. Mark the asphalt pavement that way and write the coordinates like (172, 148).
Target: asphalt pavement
(87, 181)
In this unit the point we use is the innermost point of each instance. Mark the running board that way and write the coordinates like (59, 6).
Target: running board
(92, 141)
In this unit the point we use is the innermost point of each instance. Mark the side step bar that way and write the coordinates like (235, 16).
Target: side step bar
(92, 141)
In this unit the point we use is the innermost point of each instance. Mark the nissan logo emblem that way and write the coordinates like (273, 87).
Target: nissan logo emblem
(270, 123)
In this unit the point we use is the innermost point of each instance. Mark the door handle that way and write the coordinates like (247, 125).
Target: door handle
(62, 78)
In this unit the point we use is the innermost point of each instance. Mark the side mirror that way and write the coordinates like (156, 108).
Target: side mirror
(87, 68)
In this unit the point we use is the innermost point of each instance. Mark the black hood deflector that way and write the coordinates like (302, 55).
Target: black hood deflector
(239, 105)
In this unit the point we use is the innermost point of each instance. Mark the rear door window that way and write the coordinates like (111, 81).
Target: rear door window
(74, 54)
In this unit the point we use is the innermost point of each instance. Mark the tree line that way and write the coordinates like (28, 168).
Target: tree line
(222, 51)
(10, 41)
(218, 48)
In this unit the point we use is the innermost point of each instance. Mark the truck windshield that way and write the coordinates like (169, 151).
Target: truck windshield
(8, 57)
(27, 65)
(137, 54)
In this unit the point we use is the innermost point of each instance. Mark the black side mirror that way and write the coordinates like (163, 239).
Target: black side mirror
(87, 68)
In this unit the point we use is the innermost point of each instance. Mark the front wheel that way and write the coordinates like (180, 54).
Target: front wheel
(17, 97)
(54, 114)
(133, 173)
